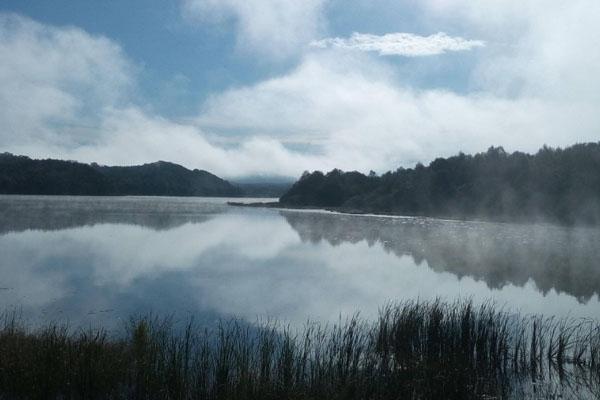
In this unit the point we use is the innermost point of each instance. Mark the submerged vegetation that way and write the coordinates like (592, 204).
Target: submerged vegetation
(555, 185)
(414, 350)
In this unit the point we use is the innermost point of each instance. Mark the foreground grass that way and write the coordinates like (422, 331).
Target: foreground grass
(415, 350)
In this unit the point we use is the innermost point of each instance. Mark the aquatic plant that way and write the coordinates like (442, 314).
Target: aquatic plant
(413, 350)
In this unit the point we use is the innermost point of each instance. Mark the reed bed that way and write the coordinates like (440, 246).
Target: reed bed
(413, 350)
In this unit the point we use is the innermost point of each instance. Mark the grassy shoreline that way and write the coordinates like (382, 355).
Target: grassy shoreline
(414, 350)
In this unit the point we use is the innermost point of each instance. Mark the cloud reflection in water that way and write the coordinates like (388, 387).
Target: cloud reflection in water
(289, 265)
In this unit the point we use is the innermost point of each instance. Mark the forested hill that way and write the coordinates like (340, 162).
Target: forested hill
(556, 185)
(23, 175)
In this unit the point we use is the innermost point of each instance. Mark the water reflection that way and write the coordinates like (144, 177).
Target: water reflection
(19, 213)
(559, 258)
(93, 259)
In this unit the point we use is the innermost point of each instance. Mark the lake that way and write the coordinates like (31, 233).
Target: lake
(97, 260)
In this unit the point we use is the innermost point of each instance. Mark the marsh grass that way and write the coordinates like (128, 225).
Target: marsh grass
(414, 350)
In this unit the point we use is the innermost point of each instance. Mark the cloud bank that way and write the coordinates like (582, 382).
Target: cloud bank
(67, 94)
(400, 44)
(361, 119)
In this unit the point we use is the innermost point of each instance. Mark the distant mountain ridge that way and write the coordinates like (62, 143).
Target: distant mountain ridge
(553, 185)
(23, 175)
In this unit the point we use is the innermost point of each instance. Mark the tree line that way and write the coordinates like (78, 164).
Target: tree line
(23, 175)
(554, 184)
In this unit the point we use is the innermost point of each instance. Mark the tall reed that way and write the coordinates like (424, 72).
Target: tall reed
(413, 350)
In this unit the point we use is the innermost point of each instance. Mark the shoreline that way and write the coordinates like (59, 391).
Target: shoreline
(363, 213)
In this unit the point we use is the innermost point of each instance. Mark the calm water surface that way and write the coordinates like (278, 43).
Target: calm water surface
(94, 260)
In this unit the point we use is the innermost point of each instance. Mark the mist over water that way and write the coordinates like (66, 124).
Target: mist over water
(97, 260)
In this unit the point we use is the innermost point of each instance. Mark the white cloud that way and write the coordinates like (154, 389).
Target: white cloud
(362, 119)
(49, 75)
(275, 28)
(549, 49)
(131, 136)
(537, 84)
(401, 44)
(66, 94)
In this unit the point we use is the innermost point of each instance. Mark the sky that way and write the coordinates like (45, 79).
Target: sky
(277, 87)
